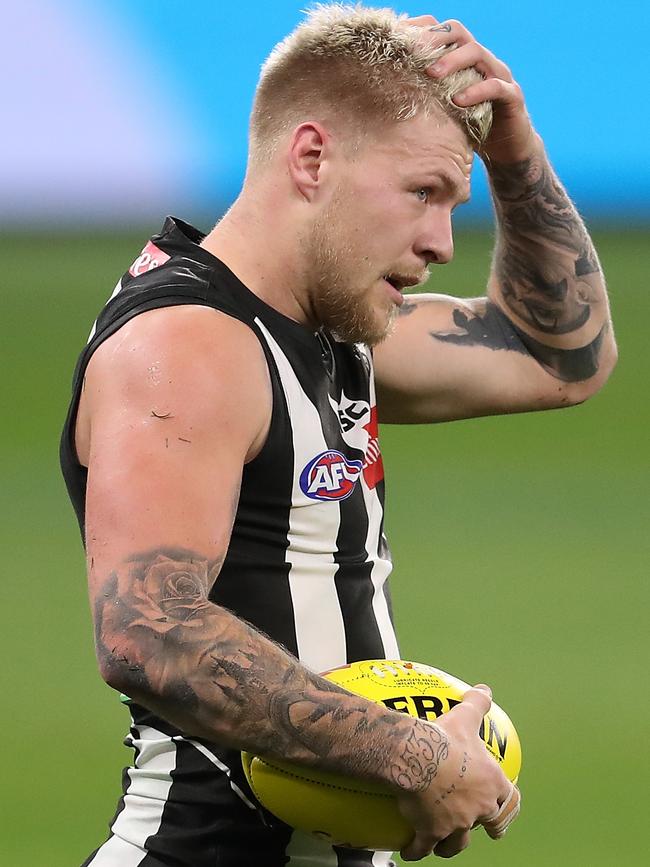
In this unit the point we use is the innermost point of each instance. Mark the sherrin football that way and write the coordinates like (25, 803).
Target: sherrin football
(347, 811)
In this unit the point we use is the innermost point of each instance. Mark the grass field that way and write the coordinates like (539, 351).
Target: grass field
(521, 551)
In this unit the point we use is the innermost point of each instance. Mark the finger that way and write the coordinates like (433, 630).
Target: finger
(420, 846)
(453, 844)
(497, 825)
(477, 700)
(470, 55)
(490, 90)
(421, 21)
(446, 32)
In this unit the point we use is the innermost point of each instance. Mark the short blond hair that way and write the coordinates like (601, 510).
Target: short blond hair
(359, 65)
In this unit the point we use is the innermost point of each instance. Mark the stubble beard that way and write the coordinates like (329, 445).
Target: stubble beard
(349, 309)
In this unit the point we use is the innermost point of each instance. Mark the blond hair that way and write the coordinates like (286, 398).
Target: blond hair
(360, 66)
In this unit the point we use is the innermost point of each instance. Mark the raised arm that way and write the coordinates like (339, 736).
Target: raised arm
(546, 276)
(174, 405)
(542, 337)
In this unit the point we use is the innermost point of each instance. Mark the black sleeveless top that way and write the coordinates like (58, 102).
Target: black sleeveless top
(307, 561)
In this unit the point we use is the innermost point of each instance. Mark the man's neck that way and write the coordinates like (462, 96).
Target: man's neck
(263, 253)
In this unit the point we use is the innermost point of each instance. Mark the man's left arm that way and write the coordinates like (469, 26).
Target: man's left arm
(545, 321)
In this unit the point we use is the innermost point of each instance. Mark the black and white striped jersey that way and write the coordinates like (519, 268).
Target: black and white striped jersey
(308, 561)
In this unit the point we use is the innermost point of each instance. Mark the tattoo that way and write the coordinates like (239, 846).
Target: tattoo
(491, 329)
(406, 308)
(545, 265)
(414, 302)
(569, 365)
(160, 639)
(488, 326)
(424, 751)
(146, 600)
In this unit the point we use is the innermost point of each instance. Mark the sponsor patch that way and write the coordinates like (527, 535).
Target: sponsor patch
(373, 466)
(150, 258)
(330, 476)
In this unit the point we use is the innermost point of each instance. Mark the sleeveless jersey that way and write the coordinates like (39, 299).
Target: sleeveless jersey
(307, 561)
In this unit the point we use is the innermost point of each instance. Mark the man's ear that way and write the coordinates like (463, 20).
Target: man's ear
(308, 151)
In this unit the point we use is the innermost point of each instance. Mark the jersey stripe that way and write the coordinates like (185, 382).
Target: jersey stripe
(306, 851)
(117, 851)
(144, 801)
(313, 528)
(219, 764)
(383, 859)
(378, 549)
(116, 291)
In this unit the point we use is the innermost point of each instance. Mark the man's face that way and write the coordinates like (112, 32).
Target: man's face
(388, 218)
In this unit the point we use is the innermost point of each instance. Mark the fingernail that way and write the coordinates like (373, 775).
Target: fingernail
(437, 68)
(484, 687)
(460, 97)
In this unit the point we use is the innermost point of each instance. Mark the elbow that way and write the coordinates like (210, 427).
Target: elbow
(121, 669)
(577, 373)
(577, 392)
(588, 388)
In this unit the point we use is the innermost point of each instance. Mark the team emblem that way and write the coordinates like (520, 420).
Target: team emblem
(330, 476)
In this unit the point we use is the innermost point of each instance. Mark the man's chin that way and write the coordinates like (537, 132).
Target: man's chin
(380, 334)
(370, 332)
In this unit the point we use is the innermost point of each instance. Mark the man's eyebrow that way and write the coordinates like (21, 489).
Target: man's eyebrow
(452, 186)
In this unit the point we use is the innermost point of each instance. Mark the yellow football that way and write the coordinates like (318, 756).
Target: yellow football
(347, 811)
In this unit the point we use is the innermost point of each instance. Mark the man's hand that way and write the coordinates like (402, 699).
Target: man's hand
(543, 337)
(512, 137)
(468, 788)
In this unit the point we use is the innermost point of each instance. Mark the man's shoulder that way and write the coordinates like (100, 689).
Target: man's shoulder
(188, 361)
(182, 336)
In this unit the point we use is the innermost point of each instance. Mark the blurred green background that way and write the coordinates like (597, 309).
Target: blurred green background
(521, 552)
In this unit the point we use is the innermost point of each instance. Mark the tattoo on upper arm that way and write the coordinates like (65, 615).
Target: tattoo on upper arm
(406, 307)
(568, 365)
(485, 326)
(545, 261)
(488, 326)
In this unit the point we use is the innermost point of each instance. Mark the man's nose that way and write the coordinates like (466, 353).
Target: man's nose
(436, 243)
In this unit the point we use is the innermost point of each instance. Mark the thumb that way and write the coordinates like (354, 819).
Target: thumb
(479, 699)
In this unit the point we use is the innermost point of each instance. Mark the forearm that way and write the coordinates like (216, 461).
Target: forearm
(546, 276)
(160, 640)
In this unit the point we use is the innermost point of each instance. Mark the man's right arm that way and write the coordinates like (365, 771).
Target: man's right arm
(175, 404)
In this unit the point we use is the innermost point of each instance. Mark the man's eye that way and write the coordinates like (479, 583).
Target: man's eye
(423, 194)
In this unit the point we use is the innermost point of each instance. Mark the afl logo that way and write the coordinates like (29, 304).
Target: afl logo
(330, 476)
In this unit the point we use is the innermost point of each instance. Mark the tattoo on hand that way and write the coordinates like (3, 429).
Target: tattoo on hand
(424, 751)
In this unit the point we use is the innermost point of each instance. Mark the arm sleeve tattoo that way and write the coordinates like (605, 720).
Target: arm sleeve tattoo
(160, 639)
(546, 272)
(488, 326)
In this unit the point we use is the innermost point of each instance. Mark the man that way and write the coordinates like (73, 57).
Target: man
(221, 448)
